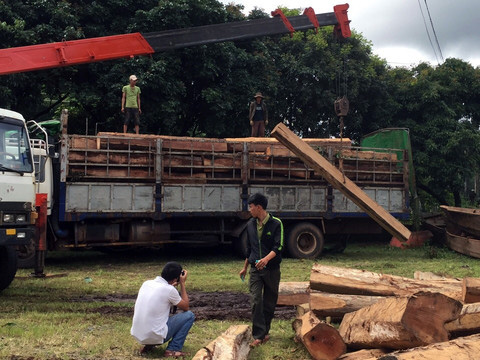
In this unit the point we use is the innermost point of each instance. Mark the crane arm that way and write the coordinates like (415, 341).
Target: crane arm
(74, 52)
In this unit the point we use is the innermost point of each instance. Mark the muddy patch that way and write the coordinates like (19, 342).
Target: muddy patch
(205, 306)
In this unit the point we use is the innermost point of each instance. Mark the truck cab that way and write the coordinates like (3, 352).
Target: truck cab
(17, 193)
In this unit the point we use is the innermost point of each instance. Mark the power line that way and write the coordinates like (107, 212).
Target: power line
(434, 32)
(428, 33)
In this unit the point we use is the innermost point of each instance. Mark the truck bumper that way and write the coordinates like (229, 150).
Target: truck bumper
(10, 236)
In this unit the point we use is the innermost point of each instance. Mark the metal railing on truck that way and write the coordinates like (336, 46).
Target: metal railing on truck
(207, 161)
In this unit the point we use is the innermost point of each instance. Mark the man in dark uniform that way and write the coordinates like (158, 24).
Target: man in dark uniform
(258, 115)
(264, 254)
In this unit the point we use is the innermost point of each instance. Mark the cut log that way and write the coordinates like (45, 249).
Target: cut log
(302, 309)
(321, 340)
(471, 290)
(360, 282)
(365, 354)
(427, 275)
(293, 293)
(465, 348)
(325, 304)
(336, 178)
(467, 323)
(400, 323)
(233, 344)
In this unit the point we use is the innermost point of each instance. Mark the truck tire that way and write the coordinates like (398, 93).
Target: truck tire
(8, 265)
(240, 245)
(305, 241)
(26, 255)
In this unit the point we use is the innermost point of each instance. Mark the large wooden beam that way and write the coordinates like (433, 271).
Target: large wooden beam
(335, 177)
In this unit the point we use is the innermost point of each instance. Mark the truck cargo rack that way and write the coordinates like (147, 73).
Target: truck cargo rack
(161, 159)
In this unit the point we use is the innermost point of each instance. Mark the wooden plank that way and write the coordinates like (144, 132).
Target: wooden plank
(101, 172)
(368, 155)
(181, 143)
(341, 182)
(96, 157)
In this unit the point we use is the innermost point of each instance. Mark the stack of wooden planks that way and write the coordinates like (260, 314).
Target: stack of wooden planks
(203, 160)
(384, 316)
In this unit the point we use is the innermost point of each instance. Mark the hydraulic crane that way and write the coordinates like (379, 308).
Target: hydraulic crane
(74, 52)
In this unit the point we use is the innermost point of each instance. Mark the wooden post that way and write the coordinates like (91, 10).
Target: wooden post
(340, 182)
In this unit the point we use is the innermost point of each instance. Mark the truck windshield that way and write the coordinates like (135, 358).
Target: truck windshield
(15, 152)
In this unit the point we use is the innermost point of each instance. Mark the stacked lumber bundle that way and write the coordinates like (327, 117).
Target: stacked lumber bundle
(203, 160)
(385, 316)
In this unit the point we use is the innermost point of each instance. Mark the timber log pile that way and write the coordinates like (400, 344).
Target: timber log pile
(185, 159)
(384, 316)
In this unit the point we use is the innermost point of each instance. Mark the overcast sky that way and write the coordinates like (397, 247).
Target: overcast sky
(397, 29)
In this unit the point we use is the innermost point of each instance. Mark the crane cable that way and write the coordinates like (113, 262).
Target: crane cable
(341, 106)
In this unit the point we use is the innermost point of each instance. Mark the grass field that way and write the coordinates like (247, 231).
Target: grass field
(51, 318)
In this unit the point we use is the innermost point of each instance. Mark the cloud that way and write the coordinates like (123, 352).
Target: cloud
(397, 29)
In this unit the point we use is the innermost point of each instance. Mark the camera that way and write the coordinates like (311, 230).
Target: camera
(183, 272)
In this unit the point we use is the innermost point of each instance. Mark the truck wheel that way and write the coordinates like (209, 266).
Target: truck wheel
(26, 255)
(240, 245)
(305, 241)
(8, 265)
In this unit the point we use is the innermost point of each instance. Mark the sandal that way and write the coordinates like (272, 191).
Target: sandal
(147, 349)
(175, 354)
(256, 342)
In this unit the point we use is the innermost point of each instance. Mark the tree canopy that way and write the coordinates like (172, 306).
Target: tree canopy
(205, 90)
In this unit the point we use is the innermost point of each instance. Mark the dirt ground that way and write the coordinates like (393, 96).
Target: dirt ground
(205, 306)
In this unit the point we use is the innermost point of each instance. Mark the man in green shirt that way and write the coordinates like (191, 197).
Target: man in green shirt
(131, 104)
(264, 255)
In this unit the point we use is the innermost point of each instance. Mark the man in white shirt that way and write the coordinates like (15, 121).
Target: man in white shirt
(152, 324)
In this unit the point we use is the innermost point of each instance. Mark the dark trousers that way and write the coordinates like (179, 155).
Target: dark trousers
(132, 113)
(263, 296)
(258, 128)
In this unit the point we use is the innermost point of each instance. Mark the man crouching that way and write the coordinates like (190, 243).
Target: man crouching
(152, 324)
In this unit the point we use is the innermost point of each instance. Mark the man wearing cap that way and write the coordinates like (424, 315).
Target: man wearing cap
(258, 115)
(131, 104)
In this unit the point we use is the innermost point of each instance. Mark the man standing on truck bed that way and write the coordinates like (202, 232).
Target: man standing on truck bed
(131, 104)
(264, 254)
(258, 115)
